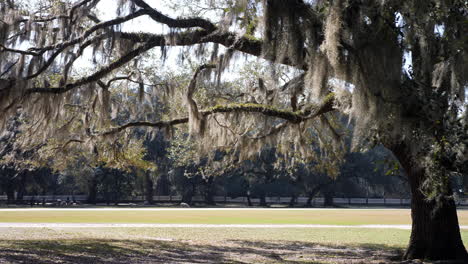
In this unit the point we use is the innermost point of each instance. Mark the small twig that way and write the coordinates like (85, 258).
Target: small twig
(9, 68)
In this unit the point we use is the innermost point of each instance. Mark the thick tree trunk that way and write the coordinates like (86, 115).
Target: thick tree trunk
(163, 185)
(328, 196)
(435, 232)
(313, 193)
(149, 190)
(209, 198)
(10, 191)
(209, 191)
(292, 202)
(188, 193)
(249, 202)
(21, 186)
(20, 195)
(309, 199)
(92, 190)
(263, 199)
(187, 197)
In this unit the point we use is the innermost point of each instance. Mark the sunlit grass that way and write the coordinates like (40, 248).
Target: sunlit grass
(201, 245)
(328, 217)
(332, 236)
(207, 245)
(387, 237)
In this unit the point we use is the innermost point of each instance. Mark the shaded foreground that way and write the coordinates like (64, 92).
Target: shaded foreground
(202, 245)
(154, 251)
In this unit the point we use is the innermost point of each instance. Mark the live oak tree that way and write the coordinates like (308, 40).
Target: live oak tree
(398, 68)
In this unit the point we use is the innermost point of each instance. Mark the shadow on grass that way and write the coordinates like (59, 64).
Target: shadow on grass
(154, 251)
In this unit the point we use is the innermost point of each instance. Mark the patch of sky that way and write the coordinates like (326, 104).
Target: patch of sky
(439, 30)
(341, 84)
(408, 63)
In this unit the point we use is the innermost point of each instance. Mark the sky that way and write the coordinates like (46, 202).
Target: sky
(108, 10)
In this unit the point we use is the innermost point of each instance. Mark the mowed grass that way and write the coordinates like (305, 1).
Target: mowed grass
(246, 249)
(203, 245)
(329, 236)
(207, 245)
(200, 216)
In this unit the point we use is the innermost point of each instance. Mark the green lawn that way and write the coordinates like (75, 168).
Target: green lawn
(331, 236)
(252, 216)
(207, 245)
(202, 245)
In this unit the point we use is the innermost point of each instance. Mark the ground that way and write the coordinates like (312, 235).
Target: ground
(207, 243)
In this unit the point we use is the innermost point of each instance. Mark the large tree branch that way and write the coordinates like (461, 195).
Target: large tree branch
(293, 117)
(62, 46)
(39, 51)
(195, 117)
(97, 75)
(176, 23)
(41, 19)
(230, 40)
(149, 42)
(192, 105)
(209, 33)
(153, 40)
(51, 59)
(24, 52)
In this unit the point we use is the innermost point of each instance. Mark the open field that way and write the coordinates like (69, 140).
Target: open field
(200, 245)
(206, 245)
(216, 216)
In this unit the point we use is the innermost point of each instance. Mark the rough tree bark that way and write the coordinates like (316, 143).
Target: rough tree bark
(249, 202)
(328, 194)
(263, 199)
(293, 200)
(149, 190)
(309, 199)
(163, 185)
(21, 186)
(188, 193)
(312, 193)
(209, 191)
(92, 189)
(10, 191)
(435, 232)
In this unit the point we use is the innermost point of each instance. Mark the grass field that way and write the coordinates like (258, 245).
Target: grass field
(207, 245)
(210, 216)
(200, 245)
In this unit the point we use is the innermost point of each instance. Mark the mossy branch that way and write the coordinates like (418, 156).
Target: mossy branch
(310, 112)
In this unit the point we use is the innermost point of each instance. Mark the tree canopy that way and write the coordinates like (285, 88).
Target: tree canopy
(397, 68)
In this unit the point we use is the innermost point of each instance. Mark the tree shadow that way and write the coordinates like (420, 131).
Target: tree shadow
(105, 251)
(304, 252)
(156, 251)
